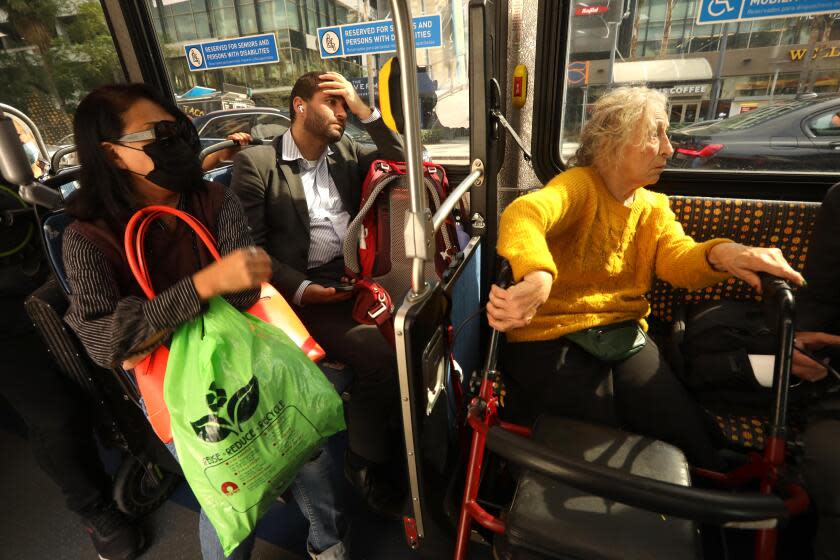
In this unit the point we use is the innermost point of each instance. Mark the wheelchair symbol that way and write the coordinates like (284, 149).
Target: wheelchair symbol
(195, 57)
(717, 8)
(330, 42)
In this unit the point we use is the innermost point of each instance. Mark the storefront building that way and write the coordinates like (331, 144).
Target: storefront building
(295, 24)
(707, 71)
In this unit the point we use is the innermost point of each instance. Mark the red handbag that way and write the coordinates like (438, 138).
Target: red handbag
(373, 306)
(150, 371)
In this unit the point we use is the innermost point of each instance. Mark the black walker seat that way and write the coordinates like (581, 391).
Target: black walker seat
(550, 519)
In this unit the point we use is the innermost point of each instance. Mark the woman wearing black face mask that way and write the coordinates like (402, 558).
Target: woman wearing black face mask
(137, 149)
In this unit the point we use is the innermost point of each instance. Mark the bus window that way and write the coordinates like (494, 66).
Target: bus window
(441, 75)
(784, 70)
(51, 55)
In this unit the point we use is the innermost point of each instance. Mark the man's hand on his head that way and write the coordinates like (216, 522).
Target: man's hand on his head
(334, 83)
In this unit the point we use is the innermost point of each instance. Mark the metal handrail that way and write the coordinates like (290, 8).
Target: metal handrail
(224, 144)
(449, 203)
(55, 160)
(416, 231)
(215, 148)
(28, 122)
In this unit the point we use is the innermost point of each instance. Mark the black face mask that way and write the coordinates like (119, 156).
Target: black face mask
(177, 167)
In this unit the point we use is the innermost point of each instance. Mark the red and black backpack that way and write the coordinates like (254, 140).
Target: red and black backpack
(374, 249)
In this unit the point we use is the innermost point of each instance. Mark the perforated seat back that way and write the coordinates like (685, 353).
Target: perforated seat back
(374, 246)
(393, 270)
(221, 175)
(762, 223)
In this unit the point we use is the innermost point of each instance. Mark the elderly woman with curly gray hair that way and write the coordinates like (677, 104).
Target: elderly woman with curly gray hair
(584, 251)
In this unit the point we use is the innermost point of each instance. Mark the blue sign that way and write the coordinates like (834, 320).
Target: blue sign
(198, 91)
(374, 37)
(722, 11)
(241, 51)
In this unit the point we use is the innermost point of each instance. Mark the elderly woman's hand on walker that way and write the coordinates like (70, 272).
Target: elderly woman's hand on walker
(745, 262)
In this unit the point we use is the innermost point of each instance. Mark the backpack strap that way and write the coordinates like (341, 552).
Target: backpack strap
(351, 239)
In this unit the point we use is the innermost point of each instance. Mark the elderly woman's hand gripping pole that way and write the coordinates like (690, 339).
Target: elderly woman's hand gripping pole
(517, 305)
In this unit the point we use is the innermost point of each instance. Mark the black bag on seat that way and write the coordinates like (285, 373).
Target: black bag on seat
(549, 519)
(716, 339)
(711, 344)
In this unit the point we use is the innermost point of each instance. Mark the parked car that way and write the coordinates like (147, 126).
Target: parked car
(791, 135)
(260, 122)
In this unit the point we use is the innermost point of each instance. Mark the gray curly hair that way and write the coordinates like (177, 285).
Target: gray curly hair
(614, 123)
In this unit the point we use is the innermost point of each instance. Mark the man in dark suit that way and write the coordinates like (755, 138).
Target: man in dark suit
(818, 330)
(300, 194)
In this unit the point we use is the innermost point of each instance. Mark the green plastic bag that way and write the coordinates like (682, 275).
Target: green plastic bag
(248, 409)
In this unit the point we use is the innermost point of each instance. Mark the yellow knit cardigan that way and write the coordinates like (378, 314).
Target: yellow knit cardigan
(602, 254)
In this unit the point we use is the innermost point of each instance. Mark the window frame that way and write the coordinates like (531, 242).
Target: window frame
(549, 93)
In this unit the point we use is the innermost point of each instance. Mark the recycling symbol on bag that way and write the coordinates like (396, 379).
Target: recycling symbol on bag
(229, 488)
(225, 420)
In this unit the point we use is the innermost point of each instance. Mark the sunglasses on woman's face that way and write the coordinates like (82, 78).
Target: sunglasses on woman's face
(161, 130)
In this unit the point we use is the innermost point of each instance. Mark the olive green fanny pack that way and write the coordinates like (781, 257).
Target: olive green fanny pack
(611, 343)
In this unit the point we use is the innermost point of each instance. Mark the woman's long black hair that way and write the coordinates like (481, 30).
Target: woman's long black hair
(106, 191)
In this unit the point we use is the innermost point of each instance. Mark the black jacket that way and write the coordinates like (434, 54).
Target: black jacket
(272, 194)
(818, 305)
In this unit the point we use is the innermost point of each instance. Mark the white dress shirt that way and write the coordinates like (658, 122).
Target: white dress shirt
(328, 219)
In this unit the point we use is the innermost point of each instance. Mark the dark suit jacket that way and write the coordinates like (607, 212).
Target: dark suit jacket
(272, 195)
(818, 304)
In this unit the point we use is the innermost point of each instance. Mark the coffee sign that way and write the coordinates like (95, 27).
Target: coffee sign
(685, 89)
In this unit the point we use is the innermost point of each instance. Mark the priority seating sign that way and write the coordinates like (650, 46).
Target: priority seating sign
(375, 37)
(227, 53)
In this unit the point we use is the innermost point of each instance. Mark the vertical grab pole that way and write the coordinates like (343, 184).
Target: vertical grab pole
(418, 226)
(777, 291)
(418, 236)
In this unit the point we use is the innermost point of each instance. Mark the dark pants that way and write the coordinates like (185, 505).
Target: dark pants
(374, 405)
(57, 416)
(640, 394)
(821, 470)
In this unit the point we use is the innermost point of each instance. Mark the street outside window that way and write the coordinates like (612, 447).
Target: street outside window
(776, 78)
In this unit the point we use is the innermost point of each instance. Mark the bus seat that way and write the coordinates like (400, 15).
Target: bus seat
(549, 519)
(221, 175)
(463, 285)
(764, 223)
(54, 225)
(339, 374)
(749, 431)
(53, 229)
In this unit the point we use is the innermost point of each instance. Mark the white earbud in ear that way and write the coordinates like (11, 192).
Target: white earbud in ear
(300, 108)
